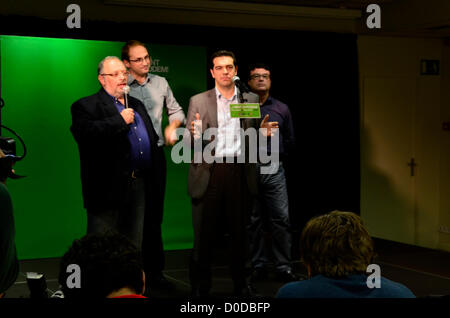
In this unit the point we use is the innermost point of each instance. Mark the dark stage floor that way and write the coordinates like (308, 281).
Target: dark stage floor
(426, 272)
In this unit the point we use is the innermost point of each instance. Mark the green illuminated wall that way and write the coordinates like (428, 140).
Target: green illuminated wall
(40, 79)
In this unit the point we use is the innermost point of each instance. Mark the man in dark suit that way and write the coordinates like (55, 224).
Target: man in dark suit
(271, 209)
(117, 145)
(220, 190)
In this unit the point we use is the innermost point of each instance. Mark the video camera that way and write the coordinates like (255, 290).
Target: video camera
(8, 145)
(8, 156)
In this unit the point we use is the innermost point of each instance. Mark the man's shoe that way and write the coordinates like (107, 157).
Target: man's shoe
(286, 276)
(159, 282)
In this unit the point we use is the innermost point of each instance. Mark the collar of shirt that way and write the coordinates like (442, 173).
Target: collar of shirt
(132, 80)
(115, 100)
(219, 94)
(268, 101)
(228, 141)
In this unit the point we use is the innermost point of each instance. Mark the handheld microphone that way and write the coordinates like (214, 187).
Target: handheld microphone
(126, 90)
(241, 85)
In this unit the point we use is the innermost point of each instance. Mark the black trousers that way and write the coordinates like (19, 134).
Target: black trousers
(152, 245)
(127, 219)
(225, 207)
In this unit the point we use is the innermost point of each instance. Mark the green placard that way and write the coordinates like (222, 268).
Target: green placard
(245, 110)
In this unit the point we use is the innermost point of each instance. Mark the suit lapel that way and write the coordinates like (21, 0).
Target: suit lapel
(110, 109)
(211, 108)
(107, 103)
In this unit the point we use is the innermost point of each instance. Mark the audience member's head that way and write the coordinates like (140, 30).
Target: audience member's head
(110, 265)
(336, 245)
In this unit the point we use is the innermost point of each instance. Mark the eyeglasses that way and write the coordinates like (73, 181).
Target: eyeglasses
(117, 74)
(140, 60)
(258, 76)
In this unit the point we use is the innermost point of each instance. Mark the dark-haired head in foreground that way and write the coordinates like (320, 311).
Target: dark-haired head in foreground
(336, 245)
(110, 266)
(337, 250)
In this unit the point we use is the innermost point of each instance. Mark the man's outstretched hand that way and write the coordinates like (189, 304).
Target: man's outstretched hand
(269, 127)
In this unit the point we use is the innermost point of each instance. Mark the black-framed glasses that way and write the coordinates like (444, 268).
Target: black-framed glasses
(116, 74)
(258, 76)
(140, 60)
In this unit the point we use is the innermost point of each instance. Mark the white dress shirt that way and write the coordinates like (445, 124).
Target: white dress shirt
(228, 137)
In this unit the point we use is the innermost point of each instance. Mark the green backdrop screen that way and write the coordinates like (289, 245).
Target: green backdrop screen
(40, 79)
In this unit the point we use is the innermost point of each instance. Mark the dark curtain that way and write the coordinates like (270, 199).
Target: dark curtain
(316, 75)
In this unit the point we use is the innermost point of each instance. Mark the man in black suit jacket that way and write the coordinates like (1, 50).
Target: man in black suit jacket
(117, 145)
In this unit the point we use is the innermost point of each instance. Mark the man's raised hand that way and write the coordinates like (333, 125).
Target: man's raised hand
(268, 127)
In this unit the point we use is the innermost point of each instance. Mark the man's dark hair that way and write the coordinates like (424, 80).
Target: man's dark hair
(265, 66)
(336, 244)
(126, 48)
(222, 53)
(108, 262)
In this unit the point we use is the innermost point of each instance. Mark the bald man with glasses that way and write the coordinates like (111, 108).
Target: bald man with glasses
(117, 145)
